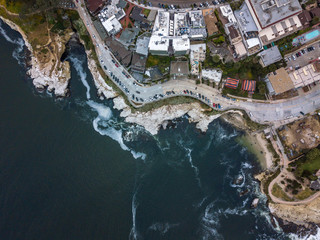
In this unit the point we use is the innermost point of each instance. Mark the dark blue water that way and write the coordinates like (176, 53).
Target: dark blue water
(72, 169)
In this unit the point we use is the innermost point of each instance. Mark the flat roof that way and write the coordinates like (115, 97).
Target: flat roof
(213, 74)
(142, 45)
(280, 81)
(245, 19)
(240, 49)
(305, 76)
(270, 55)
(181, 67)
(269, 12)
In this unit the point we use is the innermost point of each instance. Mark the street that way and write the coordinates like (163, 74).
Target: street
(276, 112)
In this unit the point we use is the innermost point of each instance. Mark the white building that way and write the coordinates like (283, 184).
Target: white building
(165, 39)
(197, 55)
(112, 25)
(213, 75)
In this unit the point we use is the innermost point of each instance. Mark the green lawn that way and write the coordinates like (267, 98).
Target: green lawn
(279, 193)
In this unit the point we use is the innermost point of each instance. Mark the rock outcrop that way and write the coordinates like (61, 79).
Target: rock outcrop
(300, 214)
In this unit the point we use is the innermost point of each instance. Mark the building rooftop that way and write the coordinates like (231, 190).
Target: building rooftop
(227, 14)
(270, 55)
(181, 44)
(136, 14)
(245, 20)
(213, 74)
(138, 63)
(210, 20)
(233, 32)
(128, 35)
(119, 51)
(95, 5)
(304, 17)
(305, 76)
(269, 12)
(121, 4)
(112, 25)
(152, 16)
(142, 45)
(280, 81)
(179, 68)
(101, 30)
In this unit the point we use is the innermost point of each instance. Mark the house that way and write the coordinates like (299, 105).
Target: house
(305, 18)
(112, 25)
(179, 69)
(128, 35)
(94, 6)
(269, 56)
(142, 45)
(119, 51)
(138, 63)
(213, 75)
(137, 15)
(210, 21)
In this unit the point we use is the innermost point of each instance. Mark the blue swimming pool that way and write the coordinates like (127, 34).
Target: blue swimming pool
(312, 34)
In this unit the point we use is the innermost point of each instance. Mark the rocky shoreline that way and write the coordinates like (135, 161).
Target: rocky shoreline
(55, 77)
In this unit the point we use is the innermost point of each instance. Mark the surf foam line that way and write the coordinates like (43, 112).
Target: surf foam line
(104, 126)
(134, 232)
(78, 65)
(196, 170)
(19, 42)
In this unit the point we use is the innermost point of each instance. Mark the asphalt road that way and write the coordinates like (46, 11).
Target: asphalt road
(277, 112)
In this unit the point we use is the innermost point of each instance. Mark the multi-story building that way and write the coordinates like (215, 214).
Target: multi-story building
(275, 19)
(172, 32)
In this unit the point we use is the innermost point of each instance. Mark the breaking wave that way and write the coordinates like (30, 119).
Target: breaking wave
(18, 51)
(78, 65)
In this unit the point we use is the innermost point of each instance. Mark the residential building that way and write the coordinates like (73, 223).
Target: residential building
(137, 15)
(142, 45)
(248, 30)
(94, 6)
(210, 20)
(138, 63)
(197, 25)
(179, 69)
(213, 75)
(197, 55)
(305, 75)
(128, 35)
(119, 51)
(305, 18)
(168, 39)
(112, 25)
(230, 25)
(275, 19)
(269, 56)
(280, 81)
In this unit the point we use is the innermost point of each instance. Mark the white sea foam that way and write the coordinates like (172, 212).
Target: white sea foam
(103, 111)
(134, 232)
(308, 237)
(210, 223)
(196, 170)
(19, 42)
(78, 65)
(163, 228)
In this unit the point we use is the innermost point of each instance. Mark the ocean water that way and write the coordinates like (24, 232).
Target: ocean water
(73, 169)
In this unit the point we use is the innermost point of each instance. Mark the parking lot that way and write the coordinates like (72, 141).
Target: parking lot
(303, 56)
(185, 3)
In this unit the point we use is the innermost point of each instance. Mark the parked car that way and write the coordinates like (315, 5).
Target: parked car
(294, 57)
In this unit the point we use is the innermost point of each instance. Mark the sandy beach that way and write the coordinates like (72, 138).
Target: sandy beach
(257, 145)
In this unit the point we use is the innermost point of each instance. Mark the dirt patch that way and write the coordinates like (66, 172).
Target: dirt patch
(300, 135)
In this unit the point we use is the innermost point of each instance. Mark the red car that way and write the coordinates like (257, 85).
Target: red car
(214, 105)
(117, 65)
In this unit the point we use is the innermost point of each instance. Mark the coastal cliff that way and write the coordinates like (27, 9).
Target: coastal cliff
(46, 46)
